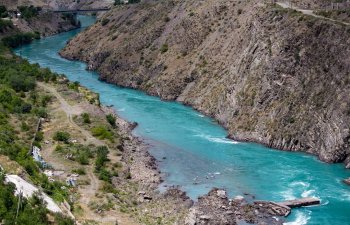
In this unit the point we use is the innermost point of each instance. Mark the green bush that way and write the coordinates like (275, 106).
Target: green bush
(41, 112)
(62, 136)
(111, 119)
(164, 48)
(80, 171)
(3, 11)
(101, 157)
(83, 158)
(102, 133)
(86, 117)
(39, 136)
(28, 12)
(104, 22)
(16, 40)
(5, 24)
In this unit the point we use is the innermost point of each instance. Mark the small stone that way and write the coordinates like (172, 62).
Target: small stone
(147, 197)
(205, 217)
(221, 193)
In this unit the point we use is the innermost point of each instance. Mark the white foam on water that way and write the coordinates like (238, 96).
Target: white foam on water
(325, 202)
(308, 193)
(121, 110)
(301, 219)
(200, 115)
(299, 183)
(217, 139)
(288, 194)
(346, 196)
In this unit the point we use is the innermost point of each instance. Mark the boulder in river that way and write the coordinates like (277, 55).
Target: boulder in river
(347, 181)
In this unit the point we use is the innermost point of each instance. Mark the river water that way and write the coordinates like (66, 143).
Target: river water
(195, 154)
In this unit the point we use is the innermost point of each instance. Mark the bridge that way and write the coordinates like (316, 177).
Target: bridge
(76, 11)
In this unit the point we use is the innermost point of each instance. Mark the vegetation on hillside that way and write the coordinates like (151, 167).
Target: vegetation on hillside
(3, 11)
(21, 103)
(18, 39)
(28, 12)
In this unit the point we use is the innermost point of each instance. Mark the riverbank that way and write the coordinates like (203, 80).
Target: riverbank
(135, 185)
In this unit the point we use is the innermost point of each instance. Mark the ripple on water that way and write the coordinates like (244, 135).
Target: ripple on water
(301, 218)
(217, 139)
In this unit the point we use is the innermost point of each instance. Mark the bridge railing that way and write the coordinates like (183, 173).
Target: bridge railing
(80, 10)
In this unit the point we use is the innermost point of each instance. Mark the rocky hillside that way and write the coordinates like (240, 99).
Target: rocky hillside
(47, 23)
(12, 4)
(83, 4)
(267, 74)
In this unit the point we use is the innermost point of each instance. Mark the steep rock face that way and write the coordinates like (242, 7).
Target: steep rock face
(314, 4)
(47, 23)
(267, 74)
(57, 4)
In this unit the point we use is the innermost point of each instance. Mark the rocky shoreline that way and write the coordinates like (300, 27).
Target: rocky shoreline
(212, 208)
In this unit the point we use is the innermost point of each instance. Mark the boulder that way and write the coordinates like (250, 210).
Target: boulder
(347, 181)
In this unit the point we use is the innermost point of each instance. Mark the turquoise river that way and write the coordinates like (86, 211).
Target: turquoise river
(192, 147)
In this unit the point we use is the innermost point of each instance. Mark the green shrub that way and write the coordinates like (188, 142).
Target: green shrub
(164, 48)
(28, 12)
(101, 157)
(102, 133)
(41, 112)
(86, 117)
(111, 119)
(3, 11)
(104, 22)
(45, 99)
(5, 24)
(39, 136)
(83, 158)
(16, 40)
(80, 171)
(74, 85)
(62, 136)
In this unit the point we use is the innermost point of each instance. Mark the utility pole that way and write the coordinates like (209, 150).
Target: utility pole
(19, 205)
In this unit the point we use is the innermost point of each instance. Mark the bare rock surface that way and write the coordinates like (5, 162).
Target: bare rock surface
(216, 208)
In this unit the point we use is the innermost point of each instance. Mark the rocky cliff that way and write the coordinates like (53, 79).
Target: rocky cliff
(57, 4)
(47, 23)
(267, 74)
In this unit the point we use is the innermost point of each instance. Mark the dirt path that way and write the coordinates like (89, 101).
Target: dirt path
(309, 12)
(71, 111)
(88, 192)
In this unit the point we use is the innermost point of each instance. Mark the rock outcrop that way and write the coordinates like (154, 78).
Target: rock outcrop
(267, 74)
(47, 23)
(216, 208)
